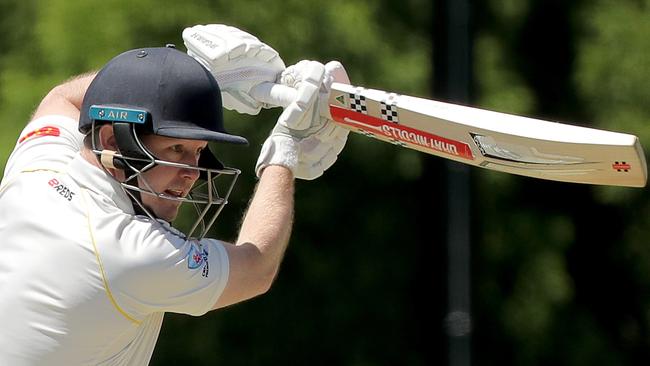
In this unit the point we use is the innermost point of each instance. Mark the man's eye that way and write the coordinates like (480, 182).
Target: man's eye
(177, 148)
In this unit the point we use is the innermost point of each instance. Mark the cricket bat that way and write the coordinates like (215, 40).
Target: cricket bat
(492, 140)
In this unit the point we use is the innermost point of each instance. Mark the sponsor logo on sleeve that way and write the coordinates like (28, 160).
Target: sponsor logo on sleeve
(197, 257)
(40, 132)
(61, 189)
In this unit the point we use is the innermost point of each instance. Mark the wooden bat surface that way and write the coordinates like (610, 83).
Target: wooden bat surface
(492, 140)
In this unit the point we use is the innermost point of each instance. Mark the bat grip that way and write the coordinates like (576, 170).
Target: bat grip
(274, 94)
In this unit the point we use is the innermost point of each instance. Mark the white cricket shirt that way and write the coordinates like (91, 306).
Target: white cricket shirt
(83, 281)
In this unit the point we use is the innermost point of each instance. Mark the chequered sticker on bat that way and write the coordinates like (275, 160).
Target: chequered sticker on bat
(358, 103)
(389, 112)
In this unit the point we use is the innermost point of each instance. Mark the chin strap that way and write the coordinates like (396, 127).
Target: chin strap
(130, 146)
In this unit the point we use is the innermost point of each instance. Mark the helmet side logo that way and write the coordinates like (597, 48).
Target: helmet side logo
(117, 114)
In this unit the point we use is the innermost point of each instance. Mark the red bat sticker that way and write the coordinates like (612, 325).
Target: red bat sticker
(400, 132)
(621, 166)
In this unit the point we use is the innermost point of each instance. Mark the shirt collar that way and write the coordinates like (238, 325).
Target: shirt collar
(99, 181)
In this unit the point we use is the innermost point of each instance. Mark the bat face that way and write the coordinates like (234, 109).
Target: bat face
(492, 140)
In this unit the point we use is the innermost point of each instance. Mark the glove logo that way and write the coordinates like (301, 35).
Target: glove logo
(206, 42)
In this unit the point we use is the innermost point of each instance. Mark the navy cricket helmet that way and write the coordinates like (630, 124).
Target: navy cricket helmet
(179, 97)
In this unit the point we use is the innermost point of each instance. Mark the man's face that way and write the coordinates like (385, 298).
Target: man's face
(168, 180)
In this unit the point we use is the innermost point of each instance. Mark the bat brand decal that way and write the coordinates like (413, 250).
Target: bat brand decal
(197, 257)
(621, 166)
(40, 132)
(400, 134)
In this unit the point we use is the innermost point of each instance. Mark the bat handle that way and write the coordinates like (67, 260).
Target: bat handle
(274, 94)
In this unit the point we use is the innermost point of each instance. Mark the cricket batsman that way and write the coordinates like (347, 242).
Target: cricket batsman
(89, 259)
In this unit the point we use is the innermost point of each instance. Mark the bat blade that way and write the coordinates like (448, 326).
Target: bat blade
(492, 140)
(487, 139)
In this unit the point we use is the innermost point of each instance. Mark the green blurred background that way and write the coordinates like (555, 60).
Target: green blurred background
(560, 273)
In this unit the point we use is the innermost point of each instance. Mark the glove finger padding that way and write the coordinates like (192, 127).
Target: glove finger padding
(238, 60)
(306, 77)
(213, 42)
(318, 140)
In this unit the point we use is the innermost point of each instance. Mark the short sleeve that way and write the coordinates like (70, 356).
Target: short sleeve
(159, 271)
(49, 142)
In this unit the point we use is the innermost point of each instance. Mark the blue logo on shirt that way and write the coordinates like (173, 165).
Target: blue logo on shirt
(196, 257)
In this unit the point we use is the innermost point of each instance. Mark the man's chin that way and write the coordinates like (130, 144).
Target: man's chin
(168, 214)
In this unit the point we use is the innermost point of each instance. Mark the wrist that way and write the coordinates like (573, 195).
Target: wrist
(278, 150)
(277, 171)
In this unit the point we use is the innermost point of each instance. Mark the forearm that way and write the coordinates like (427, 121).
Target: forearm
(268, 221)
(256, 256)
(65, 99)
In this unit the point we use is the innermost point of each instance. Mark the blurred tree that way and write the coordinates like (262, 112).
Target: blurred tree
(554, 258)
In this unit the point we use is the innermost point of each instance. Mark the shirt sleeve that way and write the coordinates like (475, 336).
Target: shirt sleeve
(164, 272)
(48, 142)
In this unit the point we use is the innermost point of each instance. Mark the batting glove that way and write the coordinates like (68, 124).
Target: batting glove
(303, 140)
(238, 61)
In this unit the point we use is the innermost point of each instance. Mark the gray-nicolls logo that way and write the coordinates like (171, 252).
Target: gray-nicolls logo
(205, 41)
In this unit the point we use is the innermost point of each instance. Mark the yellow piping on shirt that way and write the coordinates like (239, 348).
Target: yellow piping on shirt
(92, 239)
(101, 266)
(6, 184)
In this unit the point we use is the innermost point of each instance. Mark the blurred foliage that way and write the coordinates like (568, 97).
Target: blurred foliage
(561, 272)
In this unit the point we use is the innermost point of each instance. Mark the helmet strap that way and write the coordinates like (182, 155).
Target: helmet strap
(129, 145)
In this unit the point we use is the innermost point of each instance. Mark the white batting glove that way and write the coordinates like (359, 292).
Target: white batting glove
(307, 77)
(303, 140)
(238, 61)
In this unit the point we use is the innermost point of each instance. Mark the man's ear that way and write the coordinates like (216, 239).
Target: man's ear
(107, 137)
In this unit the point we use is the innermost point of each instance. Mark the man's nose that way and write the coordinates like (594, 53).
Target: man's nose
(192, 174)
